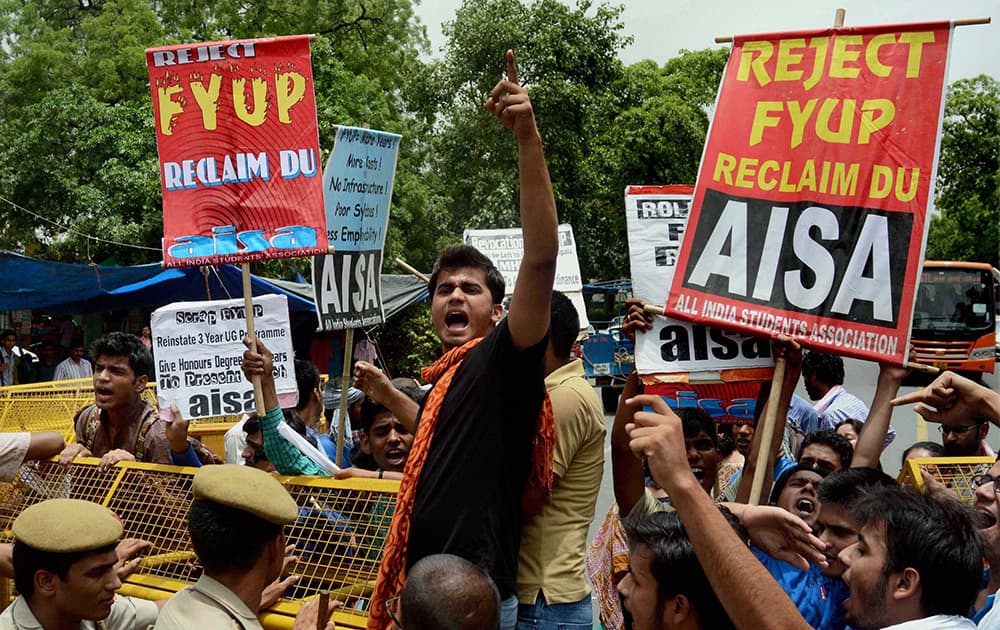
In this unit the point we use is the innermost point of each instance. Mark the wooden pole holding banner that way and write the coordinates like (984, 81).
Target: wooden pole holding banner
(410, 268)
(258, 392)
(324, 610)
(728, 39)
(769, 420)
(345, 384)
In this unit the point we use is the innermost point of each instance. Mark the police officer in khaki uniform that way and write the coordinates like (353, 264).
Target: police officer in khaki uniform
(236, 524)
(65, 570)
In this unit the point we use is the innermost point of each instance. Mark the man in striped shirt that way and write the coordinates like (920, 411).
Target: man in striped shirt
(823, 377)
(74, 366)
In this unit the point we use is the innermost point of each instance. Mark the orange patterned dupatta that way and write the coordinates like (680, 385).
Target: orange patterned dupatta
(392, 570)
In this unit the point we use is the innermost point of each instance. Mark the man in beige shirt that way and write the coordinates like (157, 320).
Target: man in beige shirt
(69, 581)
(551, 583)
(236, 523)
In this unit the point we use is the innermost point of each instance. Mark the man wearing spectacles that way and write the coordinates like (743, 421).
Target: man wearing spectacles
(965, 437)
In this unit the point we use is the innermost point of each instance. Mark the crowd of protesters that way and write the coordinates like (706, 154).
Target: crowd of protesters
(499, 450)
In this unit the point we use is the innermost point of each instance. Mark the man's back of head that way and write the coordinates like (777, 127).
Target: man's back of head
(446, 592)
(564, 326)
(827, 368)
(236, 513)
(847, 488)
(307, 382)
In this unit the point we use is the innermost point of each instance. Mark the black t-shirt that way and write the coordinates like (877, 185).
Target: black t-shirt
(468, 499)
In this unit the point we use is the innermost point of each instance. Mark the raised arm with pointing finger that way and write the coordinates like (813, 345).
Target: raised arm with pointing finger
(484, 447)
(529, 307)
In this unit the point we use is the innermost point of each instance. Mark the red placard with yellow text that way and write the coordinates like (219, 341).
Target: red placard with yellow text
(239, 153)
(809, 215)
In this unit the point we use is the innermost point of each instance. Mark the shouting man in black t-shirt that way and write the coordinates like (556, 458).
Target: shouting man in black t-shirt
(472, 455)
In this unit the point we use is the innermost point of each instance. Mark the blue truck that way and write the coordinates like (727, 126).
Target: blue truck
(608, 355)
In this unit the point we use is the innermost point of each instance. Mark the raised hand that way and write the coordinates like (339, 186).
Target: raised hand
(953, 398)
(509, 103)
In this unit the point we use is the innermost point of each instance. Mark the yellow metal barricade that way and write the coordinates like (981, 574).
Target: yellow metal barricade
(52, 405)
(954, 473)
(338, 537)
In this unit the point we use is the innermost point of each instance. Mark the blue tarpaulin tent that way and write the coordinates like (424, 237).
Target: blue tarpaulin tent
(51, 287)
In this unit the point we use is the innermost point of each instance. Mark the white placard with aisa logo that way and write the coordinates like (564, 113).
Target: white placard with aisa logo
(198, 353)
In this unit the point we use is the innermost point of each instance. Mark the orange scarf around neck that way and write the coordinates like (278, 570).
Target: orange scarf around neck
(392, 570)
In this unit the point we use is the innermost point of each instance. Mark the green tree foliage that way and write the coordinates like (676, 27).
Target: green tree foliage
(968, 186)
(567, 58)
(604, 125)
(79, 150)
(651, 130)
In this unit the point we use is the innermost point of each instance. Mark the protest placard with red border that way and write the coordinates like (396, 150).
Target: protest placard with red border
(239, 151)
(809, 216)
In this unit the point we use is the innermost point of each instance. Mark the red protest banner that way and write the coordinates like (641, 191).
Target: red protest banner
(723, 402)
(239, 151)
(809, 210)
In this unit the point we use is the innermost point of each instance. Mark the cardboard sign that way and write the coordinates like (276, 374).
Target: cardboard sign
(239, 152)
(809, 215)
(723, 402)
(656, 217)
(357, 190)
(505, 247)
(198, 347)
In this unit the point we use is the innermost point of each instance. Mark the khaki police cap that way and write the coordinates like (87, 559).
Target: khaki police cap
(67, 526)
(245, 488)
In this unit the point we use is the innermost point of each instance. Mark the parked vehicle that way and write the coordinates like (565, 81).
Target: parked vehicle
(608, 355)
(955, 317)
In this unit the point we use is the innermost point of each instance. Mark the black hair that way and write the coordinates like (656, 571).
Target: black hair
(934, 448)
(675, 565)
(828, 368)
(293, 420)
(459, 256)
(726, 445)
(252, 425)
(857, 425)
(693, 421)
(370, 409)
(28, 560)
(227, 539)
(564, 325)
(936, 537)
(846, 488)
(828, 437)
(782, 480)
(119, 344)
(306, 380)
(446, 592)
(7, 332)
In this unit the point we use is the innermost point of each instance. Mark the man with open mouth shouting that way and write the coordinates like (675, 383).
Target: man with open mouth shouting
(120, 425)
(484, 438)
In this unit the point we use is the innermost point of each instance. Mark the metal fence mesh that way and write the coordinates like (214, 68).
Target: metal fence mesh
(954, 473)
(338, 536)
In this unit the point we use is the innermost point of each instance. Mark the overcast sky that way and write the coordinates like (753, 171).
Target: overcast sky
(661, 28)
